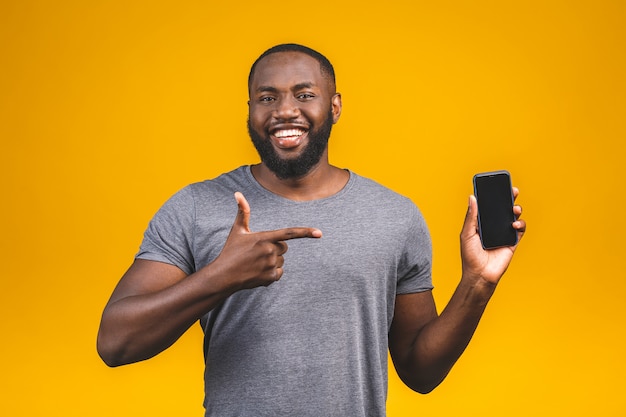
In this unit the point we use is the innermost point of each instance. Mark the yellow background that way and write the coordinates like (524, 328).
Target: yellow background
(108, 107)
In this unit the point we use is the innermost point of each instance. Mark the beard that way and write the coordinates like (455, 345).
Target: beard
(299, 166)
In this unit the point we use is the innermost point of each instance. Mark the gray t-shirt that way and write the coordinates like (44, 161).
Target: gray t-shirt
(315, 342)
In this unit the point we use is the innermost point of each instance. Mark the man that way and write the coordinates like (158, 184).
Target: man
(304, 332)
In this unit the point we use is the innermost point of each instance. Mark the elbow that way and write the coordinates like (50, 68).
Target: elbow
(110, 350)
(107, 353)
(117, 350)
(421, 384)
(114, 343)
(422, 387)
(109, 360)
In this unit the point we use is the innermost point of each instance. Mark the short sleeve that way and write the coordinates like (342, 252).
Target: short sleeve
(169, 236)
(415, 266)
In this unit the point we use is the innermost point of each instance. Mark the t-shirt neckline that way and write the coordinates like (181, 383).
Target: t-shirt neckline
(255, 184)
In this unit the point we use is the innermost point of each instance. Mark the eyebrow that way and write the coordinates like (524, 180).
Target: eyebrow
(270, 89)
(266, 88)
(300, 86)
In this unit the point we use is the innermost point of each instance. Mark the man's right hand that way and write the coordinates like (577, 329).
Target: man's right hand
(253, 259)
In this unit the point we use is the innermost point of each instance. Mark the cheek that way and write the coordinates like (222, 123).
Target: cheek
(321, 115)
(257, 117)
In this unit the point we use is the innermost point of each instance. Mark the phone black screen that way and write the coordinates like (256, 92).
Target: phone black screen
(495, 209)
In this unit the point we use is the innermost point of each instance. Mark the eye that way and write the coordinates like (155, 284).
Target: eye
(266, 99)
(305, 96)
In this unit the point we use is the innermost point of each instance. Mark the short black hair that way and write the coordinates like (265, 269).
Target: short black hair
(325, 66)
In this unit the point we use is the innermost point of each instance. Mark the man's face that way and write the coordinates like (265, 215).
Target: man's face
(292, 109)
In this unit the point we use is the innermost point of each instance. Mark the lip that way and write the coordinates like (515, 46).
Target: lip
(289, 141)
(288, 126)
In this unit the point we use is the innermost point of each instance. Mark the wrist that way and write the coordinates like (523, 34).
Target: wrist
(216, 281)
(478, 287)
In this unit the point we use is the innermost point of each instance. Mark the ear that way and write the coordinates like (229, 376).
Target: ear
(336, 107)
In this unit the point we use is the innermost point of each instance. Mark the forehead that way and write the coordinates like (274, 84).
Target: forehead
(286, 69)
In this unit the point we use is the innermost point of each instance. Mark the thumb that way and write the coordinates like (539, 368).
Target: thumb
(242, 221)
(470, 226)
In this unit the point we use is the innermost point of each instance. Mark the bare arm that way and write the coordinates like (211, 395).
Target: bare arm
(424, 346)
(155, 303)
(152, 306)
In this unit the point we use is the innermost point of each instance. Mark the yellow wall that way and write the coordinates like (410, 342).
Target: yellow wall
(109, 107)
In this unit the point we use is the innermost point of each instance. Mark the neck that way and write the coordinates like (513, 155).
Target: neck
(323, 180)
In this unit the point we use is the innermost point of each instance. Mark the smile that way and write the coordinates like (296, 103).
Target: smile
(288, 133)
(288, 138)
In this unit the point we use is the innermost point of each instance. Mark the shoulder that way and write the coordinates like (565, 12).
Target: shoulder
(215, 189)
(382, 196)
(385, 208)
(214, 193)
(233, 179)
(375, 187)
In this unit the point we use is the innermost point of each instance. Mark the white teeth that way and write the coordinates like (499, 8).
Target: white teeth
(288, 132)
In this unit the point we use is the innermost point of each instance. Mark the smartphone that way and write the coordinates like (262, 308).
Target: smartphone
(494, 195)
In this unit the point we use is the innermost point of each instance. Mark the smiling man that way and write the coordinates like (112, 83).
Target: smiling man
(293, 106)
(304, 332)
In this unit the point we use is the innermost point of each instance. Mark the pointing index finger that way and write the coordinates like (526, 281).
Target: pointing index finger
(294, 233)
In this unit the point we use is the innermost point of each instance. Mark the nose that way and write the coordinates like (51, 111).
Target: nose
(286, 108)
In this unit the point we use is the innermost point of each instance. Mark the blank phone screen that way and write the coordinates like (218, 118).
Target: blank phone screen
(495, 209)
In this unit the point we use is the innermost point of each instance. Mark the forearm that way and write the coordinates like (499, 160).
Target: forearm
(440, 343)
(138, 327)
